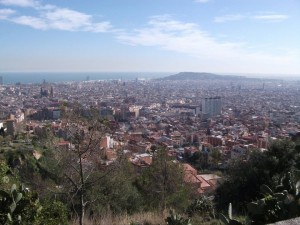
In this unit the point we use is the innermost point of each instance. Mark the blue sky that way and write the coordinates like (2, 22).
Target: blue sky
(221, 36)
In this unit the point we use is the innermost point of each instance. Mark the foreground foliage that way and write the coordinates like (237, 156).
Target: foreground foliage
(245, 177)
(19, 205)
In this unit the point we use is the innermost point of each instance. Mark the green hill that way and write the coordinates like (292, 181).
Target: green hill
(200, 76)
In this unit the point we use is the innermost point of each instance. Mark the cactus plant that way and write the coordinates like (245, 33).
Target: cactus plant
(176, 219)
(17, 203)
(276, 206)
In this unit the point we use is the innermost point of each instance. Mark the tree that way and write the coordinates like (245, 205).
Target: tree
(8, 138)
(162, 184)
(243, 181)
(2, 132)
(81, 166)
(116, 192)
(285, 155)
(153, 148)
(199, 159)
(216, 156)
(1, 139)
(245, 177)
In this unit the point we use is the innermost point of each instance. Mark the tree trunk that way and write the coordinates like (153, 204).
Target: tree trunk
(81, 191)
(81, 215)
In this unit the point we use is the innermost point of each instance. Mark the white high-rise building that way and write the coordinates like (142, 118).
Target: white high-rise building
(212, 106)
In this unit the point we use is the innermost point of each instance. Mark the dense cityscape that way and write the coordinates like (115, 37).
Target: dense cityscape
(140, 112)
(184, 116)
(204, 122)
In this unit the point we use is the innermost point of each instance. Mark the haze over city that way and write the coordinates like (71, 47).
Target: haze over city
(220, 36)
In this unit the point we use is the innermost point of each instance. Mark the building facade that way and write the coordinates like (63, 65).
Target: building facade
(212, 106)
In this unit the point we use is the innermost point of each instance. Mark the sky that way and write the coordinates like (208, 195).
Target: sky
(219, 36)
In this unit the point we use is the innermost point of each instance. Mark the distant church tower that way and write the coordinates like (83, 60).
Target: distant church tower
(51, 92)
(44, 92)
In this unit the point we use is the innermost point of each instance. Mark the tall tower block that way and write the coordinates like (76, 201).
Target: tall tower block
(212, 106)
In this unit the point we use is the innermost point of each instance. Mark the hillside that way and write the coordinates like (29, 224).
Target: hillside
(200, 76)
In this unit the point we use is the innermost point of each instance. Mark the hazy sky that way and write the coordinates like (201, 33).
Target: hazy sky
(225, 36)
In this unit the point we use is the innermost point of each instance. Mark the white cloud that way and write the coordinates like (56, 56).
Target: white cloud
(66, 19)
(34, 22)
(231, 17)
(51, 17)
(165, 22)
(268, 16)
(20, 3)
(189, 39)
(63, 19)
(99, 27)
(71, 20)
(271, 17)
(177, 36)
(5, 13)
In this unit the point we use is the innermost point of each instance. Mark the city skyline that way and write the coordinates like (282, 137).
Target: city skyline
(257, 36)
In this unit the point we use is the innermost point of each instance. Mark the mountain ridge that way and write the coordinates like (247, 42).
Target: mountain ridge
(200, 76)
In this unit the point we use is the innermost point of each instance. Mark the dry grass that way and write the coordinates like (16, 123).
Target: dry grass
(146, 218)
(143, 218)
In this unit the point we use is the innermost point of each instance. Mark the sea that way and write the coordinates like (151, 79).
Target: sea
(54, 77)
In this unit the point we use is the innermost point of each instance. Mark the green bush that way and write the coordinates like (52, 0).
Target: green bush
(52, 213)
(203, 206)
